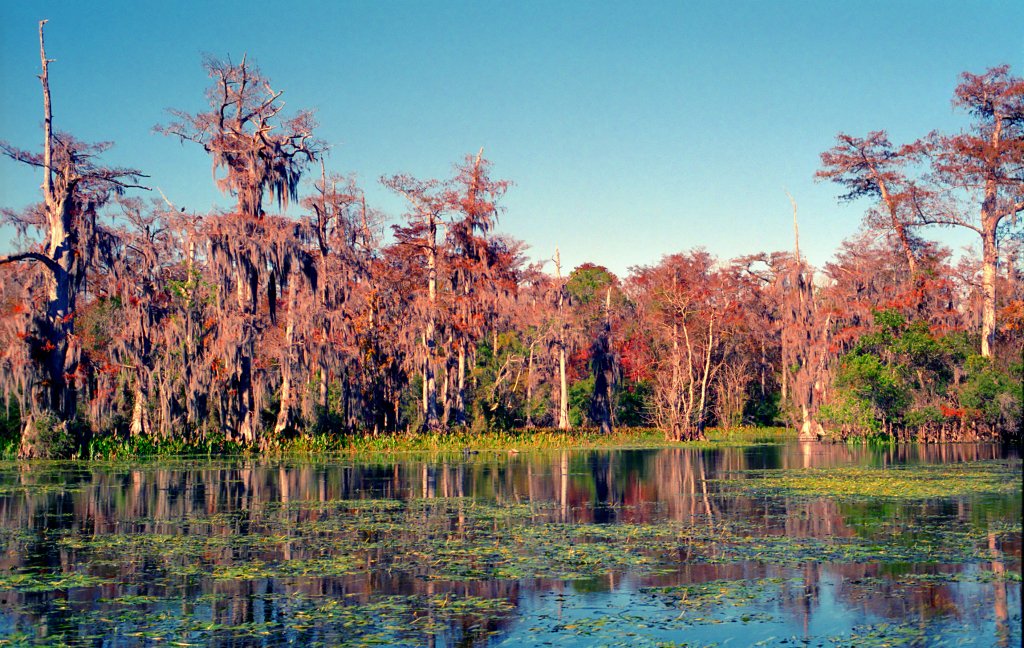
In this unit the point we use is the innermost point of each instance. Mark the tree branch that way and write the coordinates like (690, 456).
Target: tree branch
(50, 264)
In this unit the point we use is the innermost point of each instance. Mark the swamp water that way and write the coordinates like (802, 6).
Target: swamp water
(724, 546)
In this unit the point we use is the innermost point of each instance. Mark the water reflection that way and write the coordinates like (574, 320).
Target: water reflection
(460, 550)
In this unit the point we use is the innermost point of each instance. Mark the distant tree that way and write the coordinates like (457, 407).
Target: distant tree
(592, 288)
(341, 321)
(244, 134)
(475, 265)
(535, 319)
(751, 332)
(805, 336)
(429, 202)
(869, 274)
(681, 306)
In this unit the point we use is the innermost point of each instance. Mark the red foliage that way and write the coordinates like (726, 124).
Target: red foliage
(951, 412)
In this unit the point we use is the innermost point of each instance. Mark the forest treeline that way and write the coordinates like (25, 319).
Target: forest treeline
(124, 316)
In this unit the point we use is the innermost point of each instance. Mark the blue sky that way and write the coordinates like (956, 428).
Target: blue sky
(630, 130)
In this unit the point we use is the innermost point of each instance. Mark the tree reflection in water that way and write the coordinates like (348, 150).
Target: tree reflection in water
(453, 550)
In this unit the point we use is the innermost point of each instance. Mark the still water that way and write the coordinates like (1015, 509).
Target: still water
(566, 548)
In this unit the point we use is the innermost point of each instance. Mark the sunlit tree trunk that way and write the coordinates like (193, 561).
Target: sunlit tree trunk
(430, 420)
(284, 415)
(705, 378)
(460, 389)
(529, 389)
(989, 259)
(140, 425)
(563, 387)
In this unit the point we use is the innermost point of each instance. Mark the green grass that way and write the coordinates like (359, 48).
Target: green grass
(516, 441)
(454, 441)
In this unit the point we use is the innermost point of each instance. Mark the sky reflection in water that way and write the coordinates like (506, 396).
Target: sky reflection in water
(629, 547)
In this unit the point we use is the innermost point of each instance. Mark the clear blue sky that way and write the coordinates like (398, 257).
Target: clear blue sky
(631, 130)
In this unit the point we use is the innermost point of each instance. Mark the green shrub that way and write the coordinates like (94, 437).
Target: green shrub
(992, 396)
(633, 404)
(924, 417)
(579, 401)
(850, 414)
(876, 384)
(55, 439)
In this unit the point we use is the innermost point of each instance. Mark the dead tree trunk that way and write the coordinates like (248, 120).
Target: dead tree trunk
(563, 388)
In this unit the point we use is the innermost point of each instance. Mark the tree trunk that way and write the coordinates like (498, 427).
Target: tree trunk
(990, 255)
(784, 395)
(897, 224)
(811, 430)
(460, 391)
(563, 388)
(705, 378)
(55, 396)
(324, 389)
(675, 394)
(140, 425)
(430, 420)
(601, 363)
(243, 400)
(284, 414)
(529, 390)
(563, 392)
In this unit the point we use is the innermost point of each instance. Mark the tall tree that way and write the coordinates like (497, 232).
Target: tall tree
(260, 153)
(871, 167)
(561, 341)
(681, 305)
(74, 189)
(429, 202)
(473, 268)
(595, 293)
(805, 332)
(984, 166)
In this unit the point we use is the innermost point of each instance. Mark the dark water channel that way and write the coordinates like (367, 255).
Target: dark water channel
(579, 548)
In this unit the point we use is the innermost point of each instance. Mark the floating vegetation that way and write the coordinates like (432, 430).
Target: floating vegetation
(453, 553)
(46, 582)
(890, 482)
(718, 594)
